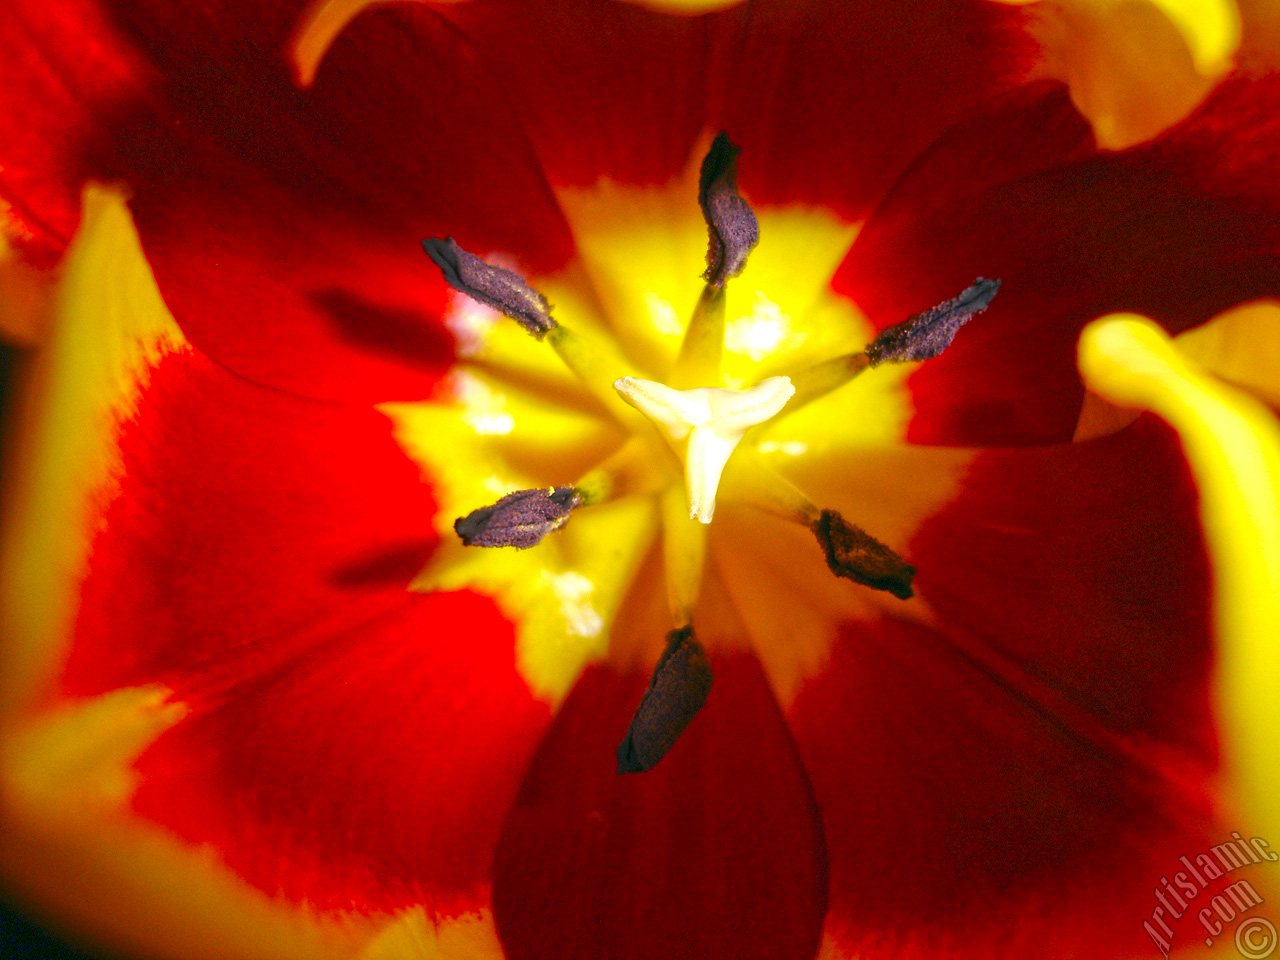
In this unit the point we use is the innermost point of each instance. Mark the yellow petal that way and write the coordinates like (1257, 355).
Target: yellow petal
(70, 847)
(413, 936)
(1136, 67)
(1232, 443)
(110, 328)
(1242, 347)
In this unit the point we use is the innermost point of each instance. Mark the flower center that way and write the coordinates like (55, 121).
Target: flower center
(713, 419)
(691, 438)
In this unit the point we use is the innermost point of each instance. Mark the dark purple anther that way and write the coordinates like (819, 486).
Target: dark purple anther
(497, 287)
(854, 554)
(677, 691)
(519, 519)
(927, 334)
(731, 226)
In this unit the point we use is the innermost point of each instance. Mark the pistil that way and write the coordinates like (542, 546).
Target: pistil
(713, 418)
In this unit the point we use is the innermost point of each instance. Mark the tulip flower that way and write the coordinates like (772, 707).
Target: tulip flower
(612, 480)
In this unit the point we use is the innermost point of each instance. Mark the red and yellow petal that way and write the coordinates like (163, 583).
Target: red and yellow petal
(238, 558)
(1233, 446)
(404, 135)
(1179, 229)
(716, 852)
(1134, 69)
(1046, 751)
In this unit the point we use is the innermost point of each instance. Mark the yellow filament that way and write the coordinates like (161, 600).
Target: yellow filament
(684, 549)
(699, 362)
(1232, 443)
(597, 368)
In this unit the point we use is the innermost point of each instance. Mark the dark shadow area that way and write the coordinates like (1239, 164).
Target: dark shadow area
(21, 939)
(390, 565)
(407, 335)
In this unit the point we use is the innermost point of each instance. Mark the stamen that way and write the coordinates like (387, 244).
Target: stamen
(684, 553)
(850, 551)
(922, 337)
(703, 346)
(714, 419)
(497, 287)
(817, 381)
(927, 334)
(642, 465)
(519, 519)
(676, 692)
(854, 554)
(731, 225)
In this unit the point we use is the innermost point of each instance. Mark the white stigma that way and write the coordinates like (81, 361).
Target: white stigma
(713, 418)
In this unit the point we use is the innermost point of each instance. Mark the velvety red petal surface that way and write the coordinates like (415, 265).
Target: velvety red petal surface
(1177, 230)
(350, 743)
(284, 226)
(602, 88)
(717, 852)
(1015, 782)
(62, 68)
(829, 101)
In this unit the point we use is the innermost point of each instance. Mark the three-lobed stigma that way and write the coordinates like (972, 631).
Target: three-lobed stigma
(684, 429)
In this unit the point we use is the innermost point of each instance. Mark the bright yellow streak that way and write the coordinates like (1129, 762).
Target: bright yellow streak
(415, 936)
(1242, 347)
(1136, 67)
(1211, 29)
(1232, 443)
(66, 843)
(110, 327)
(686, 6)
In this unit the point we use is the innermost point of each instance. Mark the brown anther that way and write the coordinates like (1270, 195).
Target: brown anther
(676, 692)
(504, 290)
(927, 334)
(732, 228)
(854, 554)
(519, 519)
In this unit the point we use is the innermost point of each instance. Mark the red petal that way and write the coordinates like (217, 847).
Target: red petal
(715, 853)
(603, 89)
(831, 101)
(242, 514)
(1178, 230)
(372, 772)
(1086, 562)
(350, 743)
(284, 226)
(1022, 777)
(61, 68)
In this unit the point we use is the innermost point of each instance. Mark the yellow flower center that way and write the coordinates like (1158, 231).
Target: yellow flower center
(586, 470)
